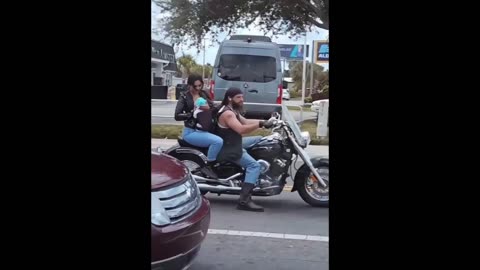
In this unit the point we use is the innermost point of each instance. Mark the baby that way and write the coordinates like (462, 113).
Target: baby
(200, 106)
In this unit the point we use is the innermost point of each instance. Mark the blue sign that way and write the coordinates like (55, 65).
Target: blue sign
(321, 55)
(292, 51)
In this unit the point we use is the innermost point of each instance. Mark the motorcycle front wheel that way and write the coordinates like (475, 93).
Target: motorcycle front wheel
(312, 191)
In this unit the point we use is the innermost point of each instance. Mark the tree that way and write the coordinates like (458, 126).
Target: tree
(320, 77)
(186, 65)
(191, 20)
(198, 69)
(322, 82)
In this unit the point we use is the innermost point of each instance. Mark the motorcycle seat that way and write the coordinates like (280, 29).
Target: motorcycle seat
(183, 143)
(204, 150)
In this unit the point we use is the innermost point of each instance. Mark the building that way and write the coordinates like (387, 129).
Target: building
(164, 65)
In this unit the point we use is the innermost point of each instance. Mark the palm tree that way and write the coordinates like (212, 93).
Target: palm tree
(185, 64)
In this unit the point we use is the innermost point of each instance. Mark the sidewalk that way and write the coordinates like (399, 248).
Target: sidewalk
(312, 150)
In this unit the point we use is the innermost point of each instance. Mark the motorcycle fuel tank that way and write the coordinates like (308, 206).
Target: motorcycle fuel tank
(267, 150)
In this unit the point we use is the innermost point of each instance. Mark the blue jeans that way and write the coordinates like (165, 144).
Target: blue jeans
(251, 166)
(249, 141)
(202, 138)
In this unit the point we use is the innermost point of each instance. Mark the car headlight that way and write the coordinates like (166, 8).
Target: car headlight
(306, 137)
(171, 205)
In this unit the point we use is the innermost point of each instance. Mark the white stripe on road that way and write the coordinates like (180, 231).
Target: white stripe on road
(271, 235)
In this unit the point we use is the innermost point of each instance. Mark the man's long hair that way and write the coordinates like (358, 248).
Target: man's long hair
(231, 92)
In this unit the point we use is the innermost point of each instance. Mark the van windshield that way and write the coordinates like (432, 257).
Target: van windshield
(247, 68)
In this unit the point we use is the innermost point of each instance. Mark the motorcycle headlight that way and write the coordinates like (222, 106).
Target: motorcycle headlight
(171, 205)
(306, 137)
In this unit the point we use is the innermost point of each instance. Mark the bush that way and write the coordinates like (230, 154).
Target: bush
(308, 100)
(174, 131)
(319, 96)
(295, 94)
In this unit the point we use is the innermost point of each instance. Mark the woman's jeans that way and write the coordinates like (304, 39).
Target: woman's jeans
(202, 138)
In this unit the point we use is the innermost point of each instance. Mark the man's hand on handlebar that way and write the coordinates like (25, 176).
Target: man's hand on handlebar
(267, 124)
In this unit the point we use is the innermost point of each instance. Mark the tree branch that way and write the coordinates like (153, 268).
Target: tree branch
(317, 23)
(317, 10)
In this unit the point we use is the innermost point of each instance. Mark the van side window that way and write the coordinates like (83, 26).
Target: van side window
(247, 68)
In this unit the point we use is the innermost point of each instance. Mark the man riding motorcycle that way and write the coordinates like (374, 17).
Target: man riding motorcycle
(231, 127)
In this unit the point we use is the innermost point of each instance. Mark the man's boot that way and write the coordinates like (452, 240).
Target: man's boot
(208, 170)
(245, 202)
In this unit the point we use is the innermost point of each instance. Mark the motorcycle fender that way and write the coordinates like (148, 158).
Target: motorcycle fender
(177, 150)
(304, 171)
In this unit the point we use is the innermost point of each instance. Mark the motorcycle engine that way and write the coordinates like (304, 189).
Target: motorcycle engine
(271, 174)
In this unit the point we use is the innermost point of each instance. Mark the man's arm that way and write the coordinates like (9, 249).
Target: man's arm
(232, 122)
(246, 121)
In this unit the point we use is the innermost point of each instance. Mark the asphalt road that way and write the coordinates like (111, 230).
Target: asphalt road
(284, 214)
(290, 234)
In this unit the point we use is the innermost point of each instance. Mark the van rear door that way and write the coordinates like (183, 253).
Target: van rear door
(253, 70)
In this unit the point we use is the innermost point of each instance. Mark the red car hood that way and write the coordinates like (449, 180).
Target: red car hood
(166, 171)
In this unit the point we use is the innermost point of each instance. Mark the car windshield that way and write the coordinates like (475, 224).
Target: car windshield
(288, 118)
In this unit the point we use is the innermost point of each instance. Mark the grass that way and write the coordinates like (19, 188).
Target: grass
(173, 131)
(296, 108)
(166, 131)
(311, 126)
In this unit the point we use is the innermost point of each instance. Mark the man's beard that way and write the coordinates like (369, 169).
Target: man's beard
(237, 106)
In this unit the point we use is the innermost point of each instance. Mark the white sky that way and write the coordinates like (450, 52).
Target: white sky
(211, 49)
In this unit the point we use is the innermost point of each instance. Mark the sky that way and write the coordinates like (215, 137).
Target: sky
(211, 49)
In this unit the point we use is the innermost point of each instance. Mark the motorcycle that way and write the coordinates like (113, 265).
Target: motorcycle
(276, 153)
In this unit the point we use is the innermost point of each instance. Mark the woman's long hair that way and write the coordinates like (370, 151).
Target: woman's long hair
(193, 78)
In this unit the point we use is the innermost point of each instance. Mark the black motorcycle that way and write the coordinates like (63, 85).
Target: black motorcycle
(276, 153)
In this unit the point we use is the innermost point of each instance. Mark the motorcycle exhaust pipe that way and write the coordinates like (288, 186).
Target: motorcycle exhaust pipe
(206, 187)
(223, 181)
(220, 189)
